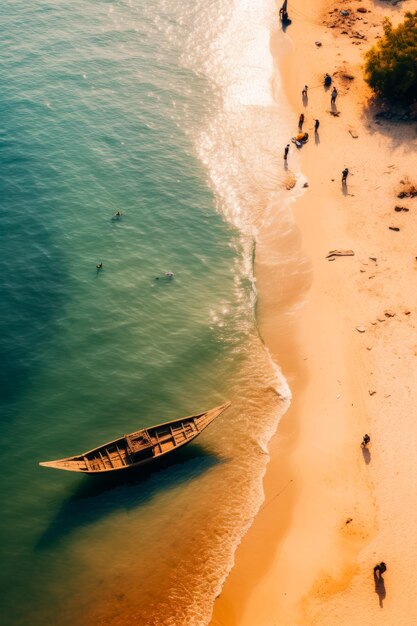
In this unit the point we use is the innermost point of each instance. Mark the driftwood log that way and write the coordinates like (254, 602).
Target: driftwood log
(334, 253)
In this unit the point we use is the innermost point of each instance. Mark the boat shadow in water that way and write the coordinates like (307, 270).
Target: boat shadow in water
(96, 497)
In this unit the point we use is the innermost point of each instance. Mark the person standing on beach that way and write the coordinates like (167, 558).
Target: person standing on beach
(316, 125)
(301, 122)
(334, 96)
(304, 92)
(287, 147)
(381, 568)
(345, 174)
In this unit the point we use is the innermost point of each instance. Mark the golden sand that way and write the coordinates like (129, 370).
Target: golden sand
(344, 332)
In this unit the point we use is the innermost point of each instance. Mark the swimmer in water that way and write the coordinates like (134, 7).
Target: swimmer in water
(99, 266)
(166, 274)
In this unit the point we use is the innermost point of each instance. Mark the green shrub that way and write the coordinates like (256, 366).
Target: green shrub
(391, 64)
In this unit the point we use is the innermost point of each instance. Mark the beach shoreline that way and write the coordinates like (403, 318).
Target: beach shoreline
(330, 512)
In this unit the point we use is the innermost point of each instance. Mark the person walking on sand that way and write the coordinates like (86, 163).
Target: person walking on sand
(301, 122)
(366, 439)
(286, 150)
(345, 174)
(316, 125)
(334, 96)
(304, 92)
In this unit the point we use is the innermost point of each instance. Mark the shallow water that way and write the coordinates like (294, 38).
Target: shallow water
(151, 109)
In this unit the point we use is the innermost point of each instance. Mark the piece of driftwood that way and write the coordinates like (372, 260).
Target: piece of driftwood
(394, 228)
(334, 253)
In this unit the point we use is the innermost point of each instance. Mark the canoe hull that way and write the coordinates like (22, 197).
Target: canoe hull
(140, 448)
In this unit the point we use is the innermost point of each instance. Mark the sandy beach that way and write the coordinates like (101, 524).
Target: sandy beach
(343, 330)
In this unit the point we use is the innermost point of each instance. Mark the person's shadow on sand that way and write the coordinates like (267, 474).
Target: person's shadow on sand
(344, 188)
(316, 138)
(305, 99)
(333, 108)
(379, 588)
(366, 455)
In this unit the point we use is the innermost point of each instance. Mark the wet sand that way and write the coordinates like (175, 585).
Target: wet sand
(344, 332)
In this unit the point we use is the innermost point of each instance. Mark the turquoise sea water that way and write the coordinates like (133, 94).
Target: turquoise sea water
(129, 106)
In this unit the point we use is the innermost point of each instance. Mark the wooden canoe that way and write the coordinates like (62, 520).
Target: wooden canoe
(139, 448)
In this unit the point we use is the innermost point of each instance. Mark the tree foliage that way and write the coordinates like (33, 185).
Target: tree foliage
(391, 64)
